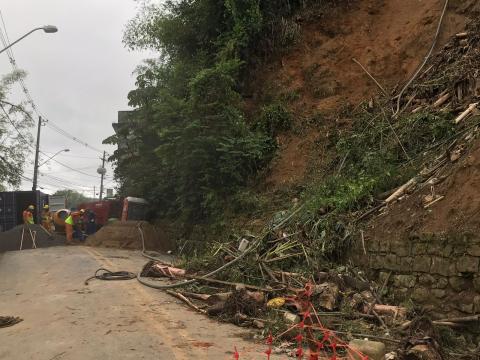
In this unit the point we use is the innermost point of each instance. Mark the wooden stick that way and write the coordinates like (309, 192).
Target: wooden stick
(467, 112)
(371, 76)
(270, 272)
(202, 297)
(433, 202)
(186, 301)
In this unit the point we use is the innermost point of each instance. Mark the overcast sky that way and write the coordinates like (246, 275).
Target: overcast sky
(78, 77)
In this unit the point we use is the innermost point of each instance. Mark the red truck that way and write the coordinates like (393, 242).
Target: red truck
(129, 208)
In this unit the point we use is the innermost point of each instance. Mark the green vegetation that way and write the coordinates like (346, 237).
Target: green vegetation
(190, 148)
(375, 155)
(13, 146)
(72, 198)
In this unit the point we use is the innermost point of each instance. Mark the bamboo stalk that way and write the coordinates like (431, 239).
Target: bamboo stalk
(467, 112)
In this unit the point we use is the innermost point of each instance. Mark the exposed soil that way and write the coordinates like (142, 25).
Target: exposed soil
(126, 235)
(457, 213)
(389, 37)
(11, 240)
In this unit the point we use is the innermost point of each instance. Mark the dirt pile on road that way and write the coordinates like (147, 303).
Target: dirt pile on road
(128, 235)
(11, 240)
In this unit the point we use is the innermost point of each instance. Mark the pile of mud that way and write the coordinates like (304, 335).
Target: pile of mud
(11, 240)
(127, 235)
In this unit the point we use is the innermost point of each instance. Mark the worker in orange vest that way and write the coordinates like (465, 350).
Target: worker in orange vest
(70, 222)
(28, 215)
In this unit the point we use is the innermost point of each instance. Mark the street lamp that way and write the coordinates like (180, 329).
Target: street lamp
(51, 157)
(49, 29)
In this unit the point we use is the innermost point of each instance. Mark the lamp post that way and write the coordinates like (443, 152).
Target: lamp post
(35, 170)
(49, 29)
(51, 157)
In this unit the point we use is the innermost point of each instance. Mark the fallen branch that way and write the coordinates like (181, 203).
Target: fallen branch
(186, 301)
(363, 242)
(451, 324)
(232, 284)
(202, 297)
(473, 318)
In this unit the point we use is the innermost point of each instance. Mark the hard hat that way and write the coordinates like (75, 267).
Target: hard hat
(45, 207)
(31, 207)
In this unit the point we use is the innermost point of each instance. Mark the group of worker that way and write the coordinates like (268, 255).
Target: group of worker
(77, 223)
(47, 219)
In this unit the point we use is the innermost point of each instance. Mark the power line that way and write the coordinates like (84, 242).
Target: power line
(27, 142)
(5, 40)
(60, 131)
(74, 156)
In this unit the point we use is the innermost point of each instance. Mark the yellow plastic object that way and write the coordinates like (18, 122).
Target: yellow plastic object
(276, 303)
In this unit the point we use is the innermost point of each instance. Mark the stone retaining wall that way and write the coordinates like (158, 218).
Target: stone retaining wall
(439, 272)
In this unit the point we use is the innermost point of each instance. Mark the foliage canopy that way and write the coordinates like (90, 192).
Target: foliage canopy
(187, 147)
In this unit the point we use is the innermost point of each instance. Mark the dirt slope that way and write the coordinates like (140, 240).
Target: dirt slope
(389, 37)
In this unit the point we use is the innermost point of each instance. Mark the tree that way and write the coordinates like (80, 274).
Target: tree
(72, 198)
(189, 147)
(15, 143)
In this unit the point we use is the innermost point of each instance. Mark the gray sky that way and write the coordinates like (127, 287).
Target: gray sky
(78, 77)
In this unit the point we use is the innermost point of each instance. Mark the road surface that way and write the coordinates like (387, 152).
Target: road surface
(66, 320)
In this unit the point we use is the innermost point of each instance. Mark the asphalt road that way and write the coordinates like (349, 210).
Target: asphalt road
(64, 319)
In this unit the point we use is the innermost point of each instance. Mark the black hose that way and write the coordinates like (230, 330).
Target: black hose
(111, 275)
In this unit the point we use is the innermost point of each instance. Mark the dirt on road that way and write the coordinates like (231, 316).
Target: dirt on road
(65, 320)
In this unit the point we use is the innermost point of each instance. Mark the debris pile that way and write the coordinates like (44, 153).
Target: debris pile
(338, 299)
(128, 235)
(12, 239)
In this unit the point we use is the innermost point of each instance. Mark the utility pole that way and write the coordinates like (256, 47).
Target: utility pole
(94, 195)
(37, 149)
(102, 173)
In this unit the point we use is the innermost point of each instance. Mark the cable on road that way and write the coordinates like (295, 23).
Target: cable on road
(111, 275)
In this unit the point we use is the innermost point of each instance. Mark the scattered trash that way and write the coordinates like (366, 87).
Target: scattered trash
(243, 245)
(276, 303)
(291, 318)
